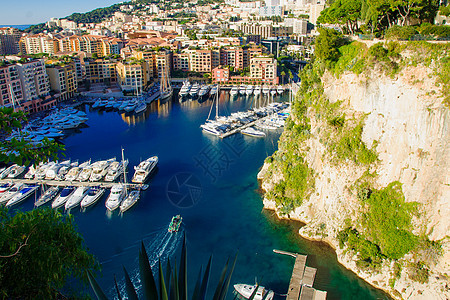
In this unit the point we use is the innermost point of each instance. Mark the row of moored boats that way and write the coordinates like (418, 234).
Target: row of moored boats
(121, 196)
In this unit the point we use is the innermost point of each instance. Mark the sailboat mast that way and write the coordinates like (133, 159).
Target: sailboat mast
(217, 102)
(124, 173)
(12, 97)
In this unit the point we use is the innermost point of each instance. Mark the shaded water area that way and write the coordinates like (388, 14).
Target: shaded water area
(212, 184)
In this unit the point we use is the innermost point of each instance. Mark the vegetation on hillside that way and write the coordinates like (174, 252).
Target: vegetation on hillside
(377, 16)
(40, 251)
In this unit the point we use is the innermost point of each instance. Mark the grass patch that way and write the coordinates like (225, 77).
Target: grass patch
(388, 220)
(347, 144)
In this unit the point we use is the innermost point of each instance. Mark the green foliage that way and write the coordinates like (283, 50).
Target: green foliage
(388, 220)
(401, 33)
(20, 150)
(369, 254)
(40, 250)
(348, 145)
(350, 59)
(327, 44)
(444, 11)
(344, 12)
(418, 272)
(94, 16)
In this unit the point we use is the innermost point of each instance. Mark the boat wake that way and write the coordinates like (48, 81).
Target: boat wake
(162, 247)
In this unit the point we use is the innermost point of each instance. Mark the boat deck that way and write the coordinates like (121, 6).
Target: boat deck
(302, 279)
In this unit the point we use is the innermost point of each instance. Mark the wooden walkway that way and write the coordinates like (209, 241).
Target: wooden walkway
(67, 183)
(302, 280)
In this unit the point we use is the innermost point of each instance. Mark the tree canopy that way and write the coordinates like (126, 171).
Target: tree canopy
(378, 15)
(39, 251)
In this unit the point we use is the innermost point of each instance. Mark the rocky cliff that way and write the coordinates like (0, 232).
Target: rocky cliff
(405, 122)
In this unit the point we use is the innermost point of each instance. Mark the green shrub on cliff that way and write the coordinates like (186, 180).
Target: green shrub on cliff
(350, 146)
(388, 220)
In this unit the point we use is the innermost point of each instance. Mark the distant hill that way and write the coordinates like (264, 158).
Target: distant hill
(93, 16)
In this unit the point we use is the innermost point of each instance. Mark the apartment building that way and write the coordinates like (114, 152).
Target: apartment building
(200, 61)
(264, 68)
(265, 30)
(100, 70)
(63, 80)
(40, 43)
(131, 76)
(10, 86)
(181, 61)
(35, 86)
(9, 40)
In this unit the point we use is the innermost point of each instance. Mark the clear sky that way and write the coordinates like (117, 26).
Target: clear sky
(20, 12)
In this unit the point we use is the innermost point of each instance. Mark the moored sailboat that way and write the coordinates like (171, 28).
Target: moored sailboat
(165, 88)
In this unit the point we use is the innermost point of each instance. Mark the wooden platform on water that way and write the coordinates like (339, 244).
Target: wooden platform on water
(302, 280)
(236, 130)
(67, 183)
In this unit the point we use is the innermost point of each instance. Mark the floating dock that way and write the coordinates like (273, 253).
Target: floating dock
(67, 183)
(302, 279)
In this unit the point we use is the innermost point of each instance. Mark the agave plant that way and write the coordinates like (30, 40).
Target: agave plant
(172, 286)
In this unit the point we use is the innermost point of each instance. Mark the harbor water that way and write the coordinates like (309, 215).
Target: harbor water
(212, 184)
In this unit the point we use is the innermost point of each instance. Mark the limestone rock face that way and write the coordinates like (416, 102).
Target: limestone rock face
(410, 126)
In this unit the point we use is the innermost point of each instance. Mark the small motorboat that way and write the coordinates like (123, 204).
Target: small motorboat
(63, 196)
(246, 291)
(92, 196)
(47, 196)
(175, 223)
(130, 200)
(22, 194)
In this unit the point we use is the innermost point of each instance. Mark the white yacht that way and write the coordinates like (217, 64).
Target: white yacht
(4, 187)
(131, 105)
(42, 171)
(65, 170)
(30, 173)
(130, 200)
(100, 169)
(242, 89)
(76, 170)
(246, 291)
(266, 89)
(22, 194)
(185, 88)
(234, 91)
(273, 91)
(5, 196)
(115, 169)
(53, 170)
(211, 128)
(141, 107)
(257, 91)
(76, 197)
(194, 90)
(16, 171)
(85, 174)
(6, 172)
(249, 90)
(63, 196)
(116, 196)
(203, 91)
(253, 132)
(280, 89)
(214, 90)
(144, 169)
(47, 196)
(92, 196)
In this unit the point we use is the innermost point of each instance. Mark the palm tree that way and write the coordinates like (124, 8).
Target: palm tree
(173, 285)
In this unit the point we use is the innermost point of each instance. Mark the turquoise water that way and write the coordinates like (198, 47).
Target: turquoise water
(219, 201)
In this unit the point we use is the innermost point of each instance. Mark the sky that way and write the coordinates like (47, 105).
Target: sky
(21, 12)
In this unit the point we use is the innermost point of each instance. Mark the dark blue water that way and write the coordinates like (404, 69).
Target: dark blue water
(212, 184)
